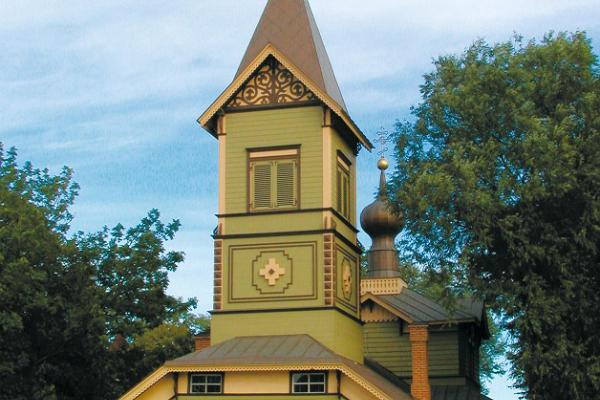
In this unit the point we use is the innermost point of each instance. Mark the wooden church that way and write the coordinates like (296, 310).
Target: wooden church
(292, 317)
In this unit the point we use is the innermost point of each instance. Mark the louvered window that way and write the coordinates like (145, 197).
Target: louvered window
(286, 183)
(261, 185)
(343, 191)
(273, 181)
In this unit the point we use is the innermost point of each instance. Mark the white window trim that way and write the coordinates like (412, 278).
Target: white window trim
(309, 383)
(206, 384)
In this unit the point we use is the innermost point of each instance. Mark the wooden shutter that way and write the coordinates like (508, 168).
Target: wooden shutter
(343, 192)
(339, 190)
(287, 183)
(346, 195)
(260, 185)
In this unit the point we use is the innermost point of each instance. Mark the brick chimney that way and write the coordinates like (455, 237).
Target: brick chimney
(419, 338)
(201, 342)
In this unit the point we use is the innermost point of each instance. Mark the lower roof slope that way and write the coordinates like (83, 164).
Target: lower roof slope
(424, 309)
(452, 392)
(286, 351)
(415, 308)
(261, 350)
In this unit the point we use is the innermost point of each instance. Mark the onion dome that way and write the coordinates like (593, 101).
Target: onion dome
(380, 222)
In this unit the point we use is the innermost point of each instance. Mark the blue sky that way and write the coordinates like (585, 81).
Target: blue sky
(113, 89)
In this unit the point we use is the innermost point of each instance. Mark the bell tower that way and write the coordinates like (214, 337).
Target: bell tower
(286, 255)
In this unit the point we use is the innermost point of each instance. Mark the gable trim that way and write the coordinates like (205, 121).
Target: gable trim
(241, 79)
(386, 306)
(157, 375)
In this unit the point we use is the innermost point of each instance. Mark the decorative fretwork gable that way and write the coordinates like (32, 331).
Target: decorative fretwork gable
(272, 84)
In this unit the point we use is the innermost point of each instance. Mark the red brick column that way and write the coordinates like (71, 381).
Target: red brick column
(419, 337)
(201, 342)
(218, 281)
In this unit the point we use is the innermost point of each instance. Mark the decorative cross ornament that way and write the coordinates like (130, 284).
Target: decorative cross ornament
(272, 271)
(383, 136)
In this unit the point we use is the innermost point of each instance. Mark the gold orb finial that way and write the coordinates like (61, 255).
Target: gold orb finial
(383, 134)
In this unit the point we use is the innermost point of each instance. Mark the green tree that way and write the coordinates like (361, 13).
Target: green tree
(70, 305)
(499, 179)
(44, 322)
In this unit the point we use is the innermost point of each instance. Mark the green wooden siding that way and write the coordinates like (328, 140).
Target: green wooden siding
(443, 353)
(272, 223)
(330, 327)
(384, 345)
(270, 128)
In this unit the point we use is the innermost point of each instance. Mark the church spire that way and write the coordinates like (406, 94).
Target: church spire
(382, 225)
(290, 27)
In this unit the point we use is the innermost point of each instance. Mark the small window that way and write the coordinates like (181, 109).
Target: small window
(206, 383)
(309, 382)
(343, 190)
(273, 179)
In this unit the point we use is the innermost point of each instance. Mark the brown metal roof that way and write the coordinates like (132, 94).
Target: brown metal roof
(289, 26)
(455, 392)
(297, 350)
(262, 350)
(421, 309)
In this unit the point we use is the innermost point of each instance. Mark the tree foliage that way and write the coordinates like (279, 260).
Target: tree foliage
(86, 315)
(499, 179)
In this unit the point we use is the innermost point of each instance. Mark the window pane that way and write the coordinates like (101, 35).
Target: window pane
(198, 388)
(198, 378)
(318, 388)
(318, 378)
(214, 379)
(214, 389)
(299, 378)
(299, 388)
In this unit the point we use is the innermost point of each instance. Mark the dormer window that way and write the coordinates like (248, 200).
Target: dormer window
(273, 179)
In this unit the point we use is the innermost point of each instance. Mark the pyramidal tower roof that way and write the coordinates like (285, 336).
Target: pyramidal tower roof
(290, 27)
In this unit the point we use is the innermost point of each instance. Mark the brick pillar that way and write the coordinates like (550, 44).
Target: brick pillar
(218, 281)
(201, 342)
(419, 337)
